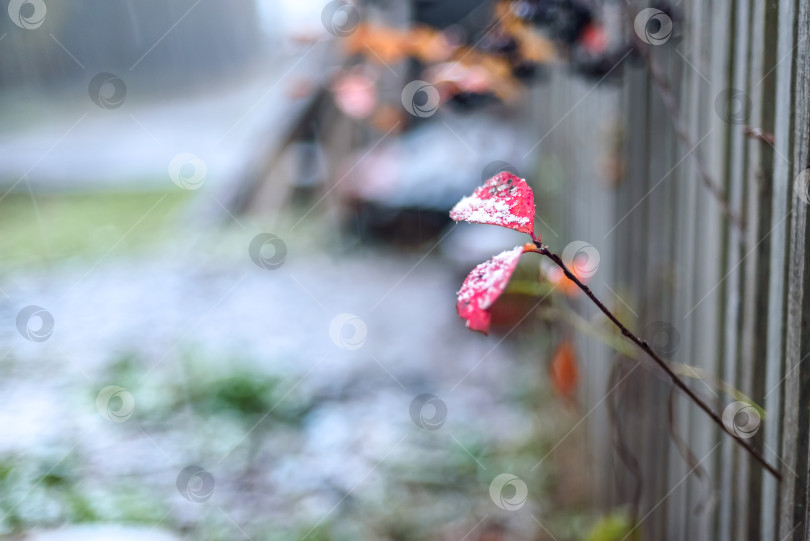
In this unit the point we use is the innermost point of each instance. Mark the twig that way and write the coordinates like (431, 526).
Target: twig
(661, 82)
(629, 350)
(678, 382)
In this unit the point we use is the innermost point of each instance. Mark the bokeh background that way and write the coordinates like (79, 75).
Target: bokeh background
(237, 238)
(228, 274)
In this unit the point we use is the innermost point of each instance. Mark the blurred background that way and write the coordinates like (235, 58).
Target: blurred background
(231, 220)
(228, 273)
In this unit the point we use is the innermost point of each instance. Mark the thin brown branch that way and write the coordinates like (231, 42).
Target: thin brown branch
(662, 84)
(678, 382)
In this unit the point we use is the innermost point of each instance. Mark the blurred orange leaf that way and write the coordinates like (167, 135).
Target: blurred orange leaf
(564, 369)
(380, 44)
(556, 276)
(429, 45)
(533, 46)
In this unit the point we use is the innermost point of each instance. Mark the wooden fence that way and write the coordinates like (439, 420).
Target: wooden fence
(722, 106)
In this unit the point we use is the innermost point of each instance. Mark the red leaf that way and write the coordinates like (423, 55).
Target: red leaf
(564, 370)
(504, 200)
(483, 286)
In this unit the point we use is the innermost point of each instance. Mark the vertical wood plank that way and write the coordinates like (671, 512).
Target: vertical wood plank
(701, 326)
(629, 239)
(732, 484)
(777, 290)
(685, 185)
(796, 420)
(757, 262)
(662, 204)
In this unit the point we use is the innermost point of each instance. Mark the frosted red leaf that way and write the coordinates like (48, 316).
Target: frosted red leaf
(483, 286)
(504, 200)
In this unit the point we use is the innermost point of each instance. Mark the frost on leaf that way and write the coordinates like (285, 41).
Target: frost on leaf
(504, 200)
(483, 286)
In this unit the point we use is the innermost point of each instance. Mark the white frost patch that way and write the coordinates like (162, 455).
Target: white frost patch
(488, 211)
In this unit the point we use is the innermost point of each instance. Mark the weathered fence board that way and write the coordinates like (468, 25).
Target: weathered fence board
(782, 173)
(795, 433)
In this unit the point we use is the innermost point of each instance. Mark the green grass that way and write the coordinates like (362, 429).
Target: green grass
(53, 227)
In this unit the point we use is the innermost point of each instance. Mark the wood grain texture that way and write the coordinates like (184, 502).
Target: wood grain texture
(793, 512)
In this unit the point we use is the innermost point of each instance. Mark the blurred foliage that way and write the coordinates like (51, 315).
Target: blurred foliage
(613, 527)
(43, 491)
(246, 395)
(56, 227)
